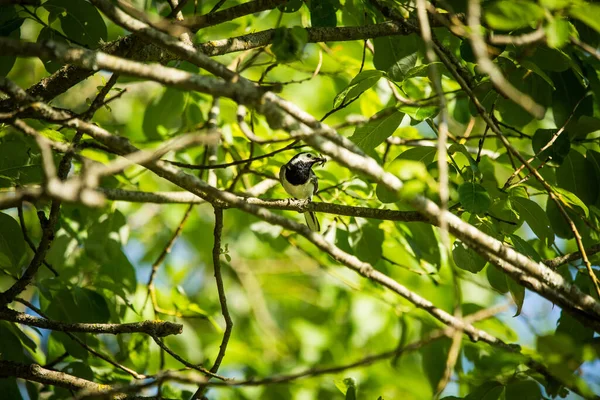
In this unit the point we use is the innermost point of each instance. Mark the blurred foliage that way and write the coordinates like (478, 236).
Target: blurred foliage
(293, 307)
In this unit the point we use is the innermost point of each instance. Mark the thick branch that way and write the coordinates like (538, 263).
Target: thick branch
(153, 328)
(315, 35)
(94, 61)
(36, 373)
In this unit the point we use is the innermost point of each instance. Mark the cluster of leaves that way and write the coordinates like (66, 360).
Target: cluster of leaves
(287, 315)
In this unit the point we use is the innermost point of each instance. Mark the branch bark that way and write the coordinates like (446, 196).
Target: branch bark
(153, 328)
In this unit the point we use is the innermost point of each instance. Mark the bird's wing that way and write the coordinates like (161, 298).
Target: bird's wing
(282, 172)
(315, 182)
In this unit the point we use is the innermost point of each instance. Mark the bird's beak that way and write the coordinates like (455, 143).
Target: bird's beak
(320, 160)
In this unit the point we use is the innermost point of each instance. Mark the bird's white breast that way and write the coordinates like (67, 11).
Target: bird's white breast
(299, 191)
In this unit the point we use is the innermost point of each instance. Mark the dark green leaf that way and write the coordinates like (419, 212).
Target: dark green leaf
(373, 133)
(487, 391)
(369, 246)
(10, 389)
(79, 370)
(496, 279)
(288, 44)
(361, 82)
(474, 198)
(576, 174)
(525, 247)
(431, 355)
(557, 151)
(395, 55)
(569, 91)
(12, 243)
(291, 6)
(466, 258)
(48, 33)
(517, 292)
(523, 390)
(80, 21)
(535, 217)
(506, 219)
(508, 15)
(10, 24)
(91, 305)
(322, 13)
(164, 115)
(11, 348)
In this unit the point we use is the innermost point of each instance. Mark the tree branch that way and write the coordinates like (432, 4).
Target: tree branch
(153, 328)
(216, 254)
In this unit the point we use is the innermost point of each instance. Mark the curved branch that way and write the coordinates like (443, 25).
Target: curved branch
(567, 258)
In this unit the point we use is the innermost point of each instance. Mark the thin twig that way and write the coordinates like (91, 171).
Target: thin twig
(216, 254)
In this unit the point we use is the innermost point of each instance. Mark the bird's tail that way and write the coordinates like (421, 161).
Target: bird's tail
(312, 221)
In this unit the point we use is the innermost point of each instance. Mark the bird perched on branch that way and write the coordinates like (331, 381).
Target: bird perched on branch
(299, 180)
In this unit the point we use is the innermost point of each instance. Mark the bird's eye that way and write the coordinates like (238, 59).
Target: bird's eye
(309, 155)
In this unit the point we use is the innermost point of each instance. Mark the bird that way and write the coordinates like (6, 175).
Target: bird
(299, 180)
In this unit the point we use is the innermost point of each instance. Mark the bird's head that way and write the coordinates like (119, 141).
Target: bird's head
(307, 159)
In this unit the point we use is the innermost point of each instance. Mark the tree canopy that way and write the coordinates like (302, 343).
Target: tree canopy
(148, 250)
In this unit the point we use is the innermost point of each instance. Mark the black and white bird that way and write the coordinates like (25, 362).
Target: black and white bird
(299, 180)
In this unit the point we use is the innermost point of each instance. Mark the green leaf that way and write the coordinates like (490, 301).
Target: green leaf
(523, 390)
(79, 305)
(587, 13)
(506, 219)
(535, 217)
(91, 305)
(423, 155)
(11, 348)
(487, 391)
(419, 70)
(10, 24)
(557, 32)
(517, 292)
(48, 33)
(569, 91)
(322, 13)
(10, 389)
(420, 113)
(290, 6)
(460, 148)
(424, 243)
(524, 247)
(164, 111)
(496, 279)
(373, 133)
(572, 200)
(395, 55)
(466, 258)
(555, 4)
(474, 198)
(80, 21)
(576, 174)
(508, 15)
(361, 82)
(431, 356)
(80, 370)
(288, 44)
(12, 243)
(557, 151)
(369, 246)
